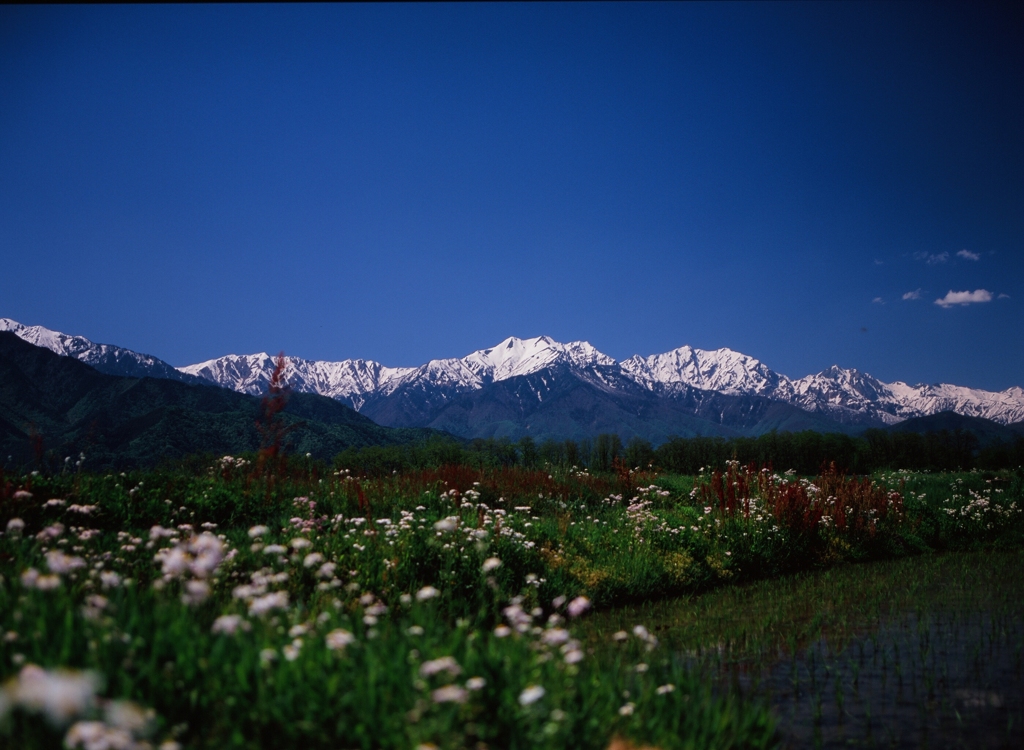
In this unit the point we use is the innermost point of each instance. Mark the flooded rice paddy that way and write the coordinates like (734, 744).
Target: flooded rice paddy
(916, 653)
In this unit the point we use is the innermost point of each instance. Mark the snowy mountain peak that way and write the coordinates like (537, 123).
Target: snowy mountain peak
(722, 370)
(849, 379)
(515, 356)
(845, 392)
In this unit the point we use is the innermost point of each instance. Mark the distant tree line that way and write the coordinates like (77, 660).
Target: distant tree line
(807, 452)
(598, 454)
(804, 452)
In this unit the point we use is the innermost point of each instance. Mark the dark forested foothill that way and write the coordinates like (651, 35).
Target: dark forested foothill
(54, 407)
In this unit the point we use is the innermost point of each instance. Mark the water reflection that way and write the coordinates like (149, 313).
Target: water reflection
(923, 653)
(928, 680)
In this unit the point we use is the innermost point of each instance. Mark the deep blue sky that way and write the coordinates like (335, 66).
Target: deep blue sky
(403, 182)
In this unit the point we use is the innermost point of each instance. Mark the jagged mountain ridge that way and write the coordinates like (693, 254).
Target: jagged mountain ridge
(417, 395)
(349, 381)
(108, 359)
(723, 370)
(846, 395)
(356, 381)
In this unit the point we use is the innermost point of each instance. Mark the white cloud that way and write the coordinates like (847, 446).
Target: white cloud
(964, 298)
(932, 259)
(916, 294)
(878, 301)
(1003, 296)
(968, 255)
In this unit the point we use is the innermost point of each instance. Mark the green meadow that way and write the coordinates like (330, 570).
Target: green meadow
(233, 602)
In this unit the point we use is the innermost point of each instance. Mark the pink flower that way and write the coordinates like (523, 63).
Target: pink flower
(578, 606)
(449, 694)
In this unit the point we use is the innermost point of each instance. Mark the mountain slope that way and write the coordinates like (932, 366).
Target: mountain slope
(560, 402)
(112, 360)
(556, 403)
(118, 421)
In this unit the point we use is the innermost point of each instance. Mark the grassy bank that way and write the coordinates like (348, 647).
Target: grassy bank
(312, 608)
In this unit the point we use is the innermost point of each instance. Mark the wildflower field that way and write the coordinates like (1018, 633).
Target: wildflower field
(228, 604)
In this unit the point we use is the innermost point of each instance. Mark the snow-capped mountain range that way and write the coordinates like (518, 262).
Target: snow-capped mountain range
(354, 381)
(845, 396)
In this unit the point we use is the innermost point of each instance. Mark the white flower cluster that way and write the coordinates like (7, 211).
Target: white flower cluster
(59, 564)
(446, 666)
(62, 696)
(198, 557)
(986, 508)
(231, 462)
